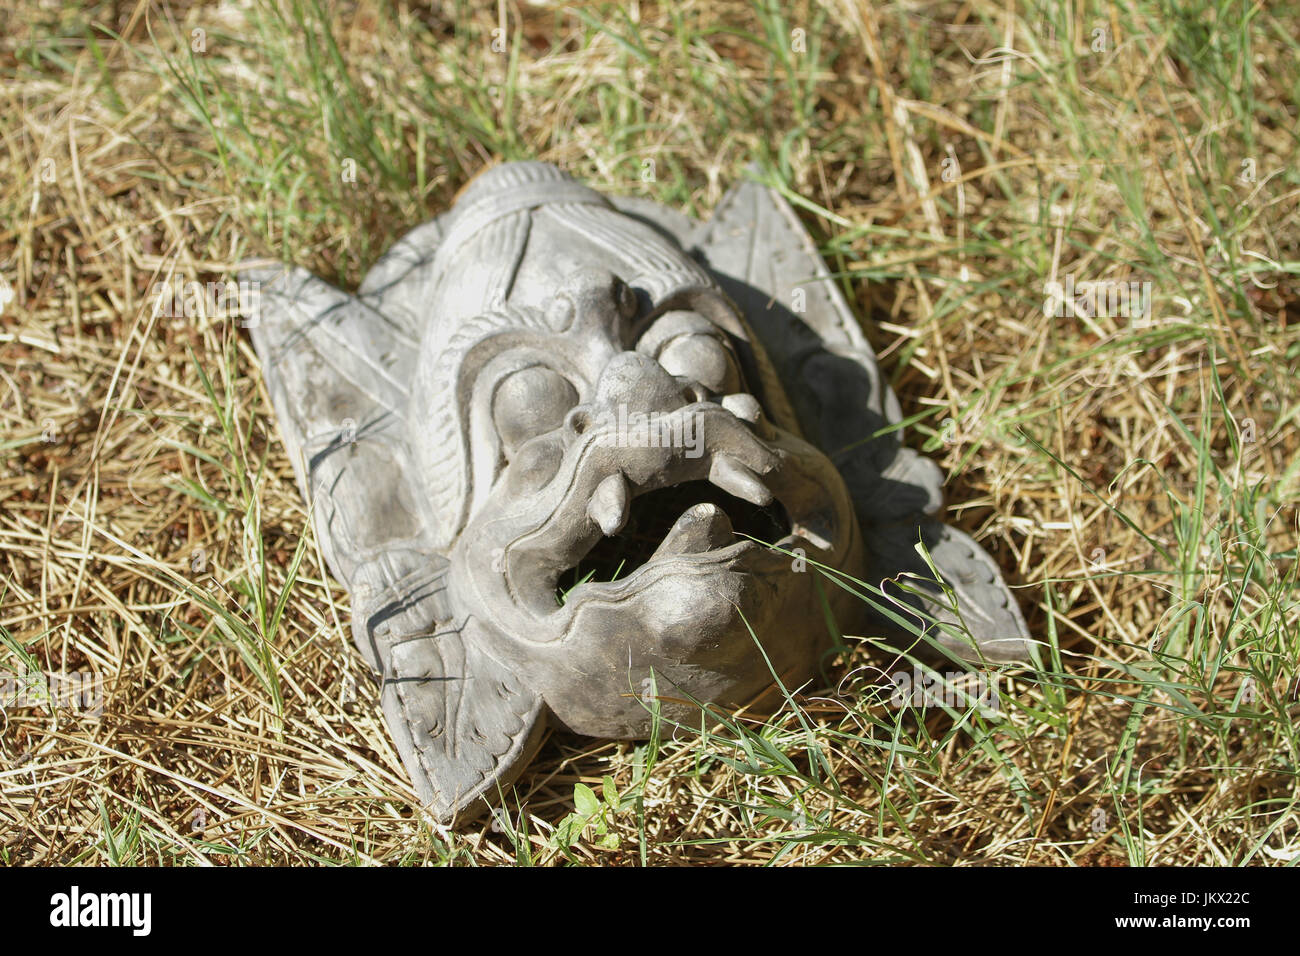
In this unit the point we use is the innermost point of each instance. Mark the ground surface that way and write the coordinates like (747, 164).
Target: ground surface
(1135, 476)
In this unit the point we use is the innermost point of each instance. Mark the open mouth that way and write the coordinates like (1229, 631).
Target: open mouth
(692, 517)
(623, 517)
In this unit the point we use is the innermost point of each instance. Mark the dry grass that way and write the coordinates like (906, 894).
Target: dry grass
(1137, 481)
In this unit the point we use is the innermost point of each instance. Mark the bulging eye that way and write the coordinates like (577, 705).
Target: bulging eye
(531, 402)
(704, 359)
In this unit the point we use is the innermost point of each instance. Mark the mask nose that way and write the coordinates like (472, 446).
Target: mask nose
(640, 383)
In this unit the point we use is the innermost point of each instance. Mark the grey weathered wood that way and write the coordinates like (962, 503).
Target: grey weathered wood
(465, 430)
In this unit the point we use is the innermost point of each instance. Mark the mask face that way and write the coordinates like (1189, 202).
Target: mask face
(566, 481)
(623, 535)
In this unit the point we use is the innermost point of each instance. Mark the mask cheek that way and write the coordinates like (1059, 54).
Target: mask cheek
(533, 466)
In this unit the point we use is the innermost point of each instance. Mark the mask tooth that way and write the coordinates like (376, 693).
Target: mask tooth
(734, 478)
(744, 406)
(818, 530)
(608, 506)
(701, 527)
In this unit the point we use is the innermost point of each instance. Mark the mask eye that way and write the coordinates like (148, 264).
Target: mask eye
(702, 358)
(531, 402)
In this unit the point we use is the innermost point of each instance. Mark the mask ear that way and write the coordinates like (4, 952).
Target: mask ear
(464, 724)
(768, 265)
(979, 621)
(338, 373)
